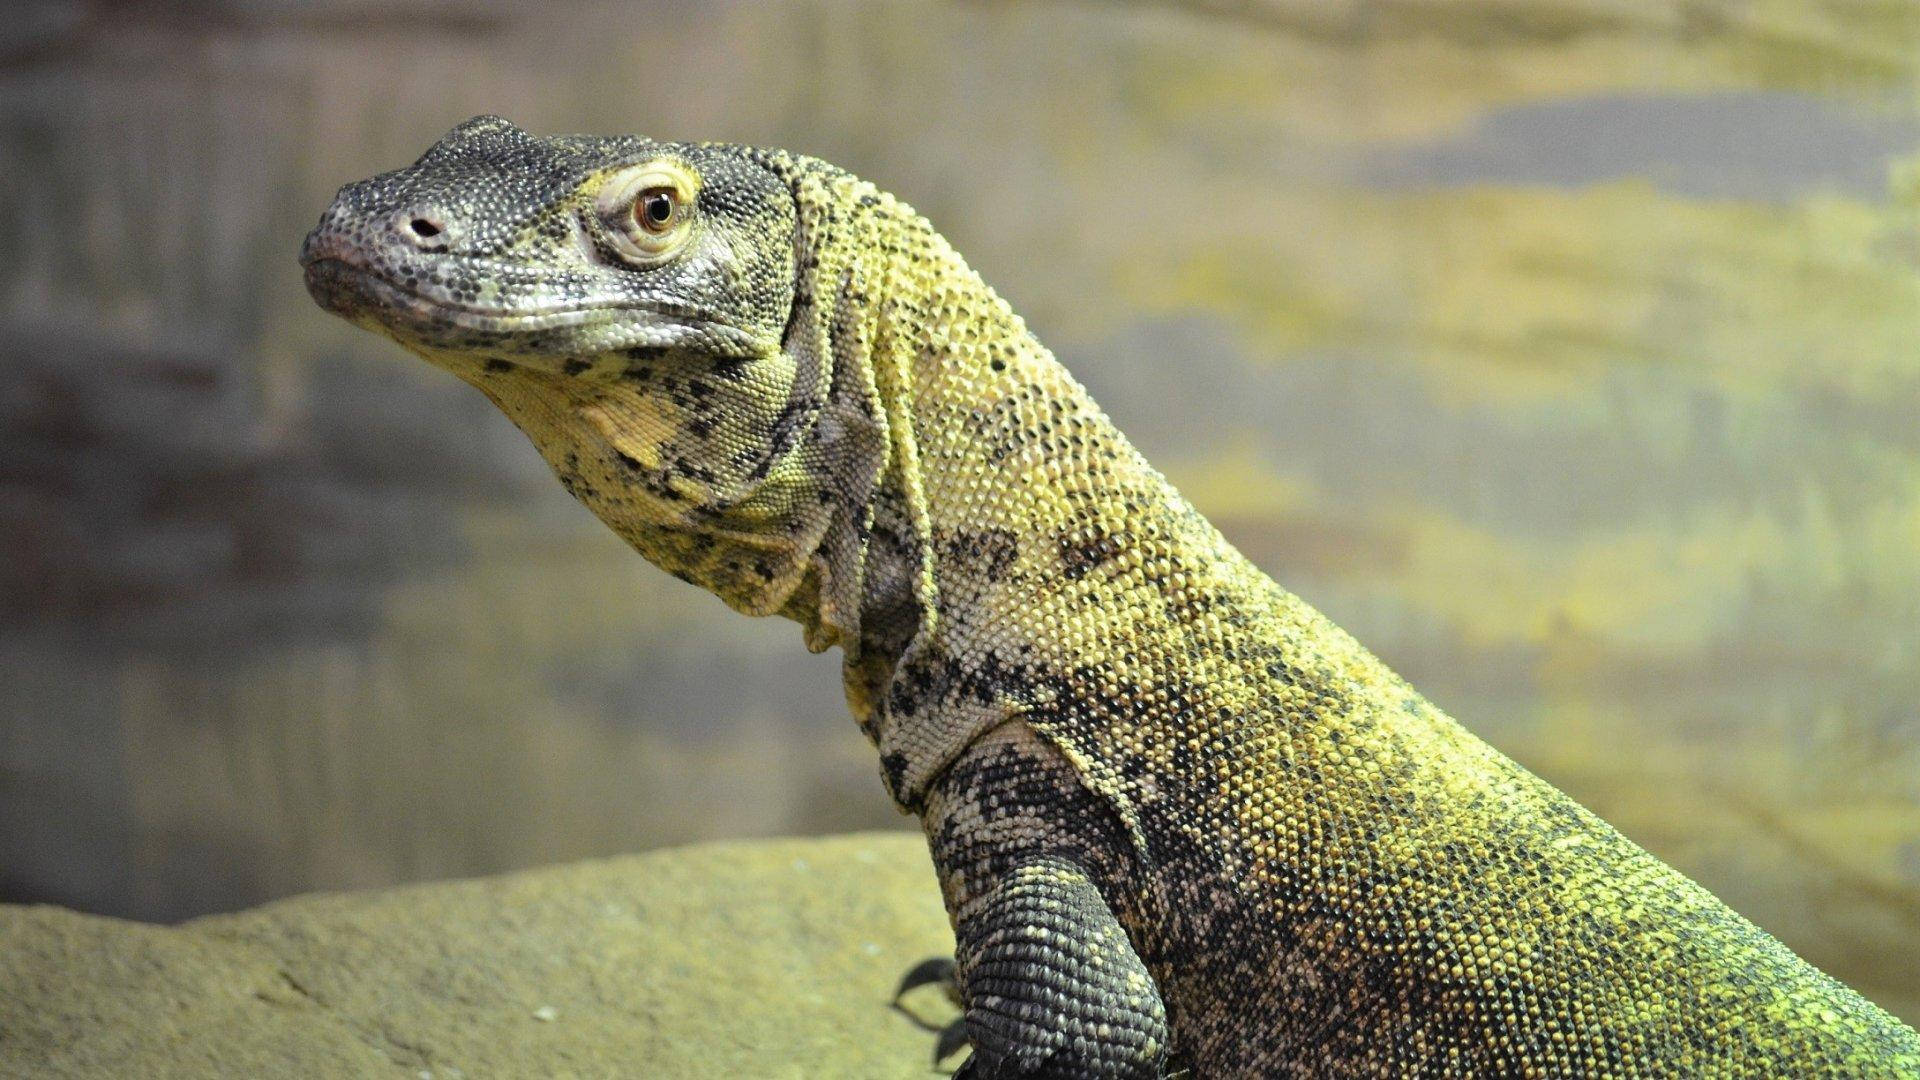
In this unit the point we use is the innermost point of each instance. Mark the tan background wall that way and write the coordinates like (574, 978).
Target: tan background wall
(1566, 352)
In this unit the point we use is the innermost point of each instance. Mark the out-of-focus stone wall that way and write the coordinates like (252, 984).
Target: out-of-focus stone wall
(1568, 353)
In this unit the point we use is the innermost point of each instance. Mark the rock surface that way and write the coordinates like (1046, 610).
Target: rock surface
(760, 959)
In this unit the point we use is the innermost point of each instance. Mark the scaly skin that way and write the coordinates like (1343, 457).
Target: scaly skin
(1181, 820)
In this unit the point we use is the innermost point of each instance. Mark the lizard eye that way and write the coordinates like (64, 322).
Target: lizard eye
(648, 210)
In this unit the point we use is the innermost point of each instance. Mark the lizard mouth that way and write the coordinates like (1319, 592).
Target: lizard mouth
(351, 289)
(365, 295)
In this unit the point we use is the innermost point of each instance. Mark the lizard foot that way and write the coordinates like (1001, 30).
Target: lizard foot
(1053, 988)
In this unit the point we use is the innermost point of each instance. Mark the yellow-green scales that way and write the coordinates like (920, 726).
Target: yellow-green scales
(1181, 820)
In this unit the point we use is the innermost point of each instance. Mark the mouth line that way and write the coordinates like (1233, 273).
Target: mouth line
(395, 296)
(351, 289)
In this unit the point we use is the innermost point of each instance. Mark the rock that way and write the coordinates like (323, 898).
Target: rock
(752, 959)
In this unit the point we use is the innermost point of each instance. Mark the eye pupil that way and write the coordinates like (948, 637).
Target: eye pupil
(656, 209)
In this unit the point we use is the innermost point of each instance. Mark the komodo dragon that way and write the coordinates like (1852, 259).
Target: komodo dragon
(1181, 821)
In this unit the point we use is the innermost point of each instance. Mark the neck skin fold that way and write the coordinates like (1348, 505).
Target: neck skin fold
(1004, 494)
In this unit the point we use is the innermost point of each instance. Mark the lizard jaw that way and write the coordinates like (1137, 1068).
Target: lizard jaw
(543, 335)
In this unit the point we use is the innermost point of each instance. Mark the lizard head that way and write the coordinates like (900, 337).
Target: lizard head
(499, 246)
(648, 313)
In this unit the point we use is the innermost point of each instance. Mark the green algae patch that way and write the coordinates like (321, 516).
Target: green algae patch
(764, 959)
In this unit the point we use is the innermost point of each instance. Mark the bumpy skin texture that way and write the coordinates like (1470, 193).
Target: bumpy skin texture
(1181, 820)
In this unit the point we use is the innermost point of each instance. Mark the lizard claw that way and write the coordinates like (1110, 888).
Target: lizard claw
(935, 969)
(953, 1039)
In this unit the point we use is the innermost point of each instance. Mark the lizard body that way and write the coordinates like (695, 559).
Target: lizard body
(1181, 820)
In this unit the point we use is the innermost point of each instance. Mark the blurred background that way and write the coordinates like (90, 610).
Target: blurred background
(1565, 351)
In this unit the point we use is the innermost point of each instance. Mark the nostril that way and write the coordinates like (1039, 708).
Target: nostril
(425, 227)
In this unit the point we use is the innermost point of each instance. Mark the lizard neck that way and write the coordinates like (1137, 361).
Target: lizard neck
(1011, 519)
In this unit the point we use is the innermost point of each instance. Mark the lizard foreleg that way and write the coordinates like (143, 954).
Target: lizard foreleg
(1050, 981)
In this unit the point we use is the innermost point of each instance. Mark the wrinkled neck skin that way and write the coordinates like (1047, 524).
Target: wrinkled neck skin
(1007, 501)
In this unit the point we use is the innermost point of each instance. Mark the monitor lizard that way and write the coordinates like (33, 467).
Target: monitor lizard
(1182, 822)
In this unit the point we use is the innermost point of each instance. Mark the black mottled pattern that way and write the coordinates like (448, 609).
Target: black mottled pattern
(1184, 825)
